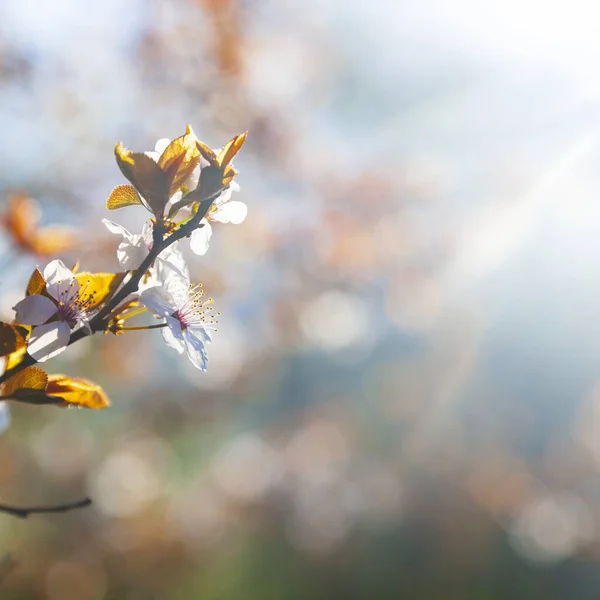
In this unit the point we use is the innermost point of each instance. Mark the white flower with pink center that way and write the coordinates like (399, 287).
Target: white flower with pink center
(54, 317)
(188, 314)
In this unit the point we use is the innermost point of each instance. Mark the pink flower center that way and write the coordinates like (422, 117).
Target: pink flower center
(195, 310)
(74, 306)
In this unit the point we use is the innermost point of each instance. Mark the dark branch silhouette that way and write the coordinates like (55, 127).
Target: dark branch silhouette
(23, 513)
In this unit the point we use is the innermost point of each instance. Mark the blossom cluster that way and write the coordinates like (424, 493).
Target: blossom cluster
(186, 186)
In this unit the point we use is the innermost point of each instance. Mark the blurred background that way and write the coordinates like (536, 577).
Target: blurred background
(403, 396)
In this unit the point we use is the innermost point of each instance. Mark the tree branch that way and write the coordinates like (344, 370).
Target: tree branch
(160, 243)
(23, 513)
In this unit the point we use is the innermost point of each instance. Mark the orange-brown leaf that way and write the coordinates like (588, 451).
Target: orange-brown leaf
(13, 359)
(121, 196)
(231, 148)
(179, 159)
(146, 176)
(208, 153)
(10, 339)
(228, 175)
(98, 287)
(77, 391)
(36, 283)
(31, 378)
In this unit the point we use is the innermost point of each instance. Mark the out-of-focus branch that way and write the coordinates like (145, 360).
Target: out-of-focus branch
(23, 513)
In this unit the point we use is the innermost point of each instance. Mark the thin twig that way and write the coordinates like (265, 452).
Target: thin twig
(23, 513)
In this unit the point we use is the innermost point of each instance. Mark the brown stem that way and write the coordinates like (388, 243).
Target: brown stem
(142, 327)
(23, 513)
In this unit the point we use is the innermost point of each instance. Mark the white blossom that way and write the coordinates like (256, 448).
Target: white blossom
(71, 307)
(135, 247)
(223, 210)
(188, 315)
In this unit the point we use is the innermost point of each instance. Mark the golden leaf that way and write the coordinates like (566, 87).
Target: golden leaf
(36, 283)
(98, 287)
(228, 175)
(179, 159)
(31, 378)
(146, 176)
(33, 396)
(210, 183)
(218, 175)
(231, 148)
(77, 391)
(121, 196)
(10, 339)
(13, 359)
(208, 153)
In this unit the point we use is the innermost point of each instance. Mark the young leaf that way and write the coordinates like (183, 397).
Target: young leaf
(33, 396)
(179, 159)
(146, 176)
(230, 149)
(76, 391)
(36, 283)
(123, 195)
(207, 153)
(98, 287)
(13, 359)
(10, 339)
(31, 378)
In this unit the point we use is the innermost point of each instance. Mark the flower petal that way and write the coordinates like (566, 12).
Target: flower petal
(48, 340)
(172, 258)
(176, 286)
(195, 350)
(173, 335)
(226, 194)
(132, 252)
(56, 271)
(201, 332)
(34, 310)
(60, 281)
(157, 300)
(147, 235)
(233, 211)
(117, 229)
(161, 145)
(200, 238)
